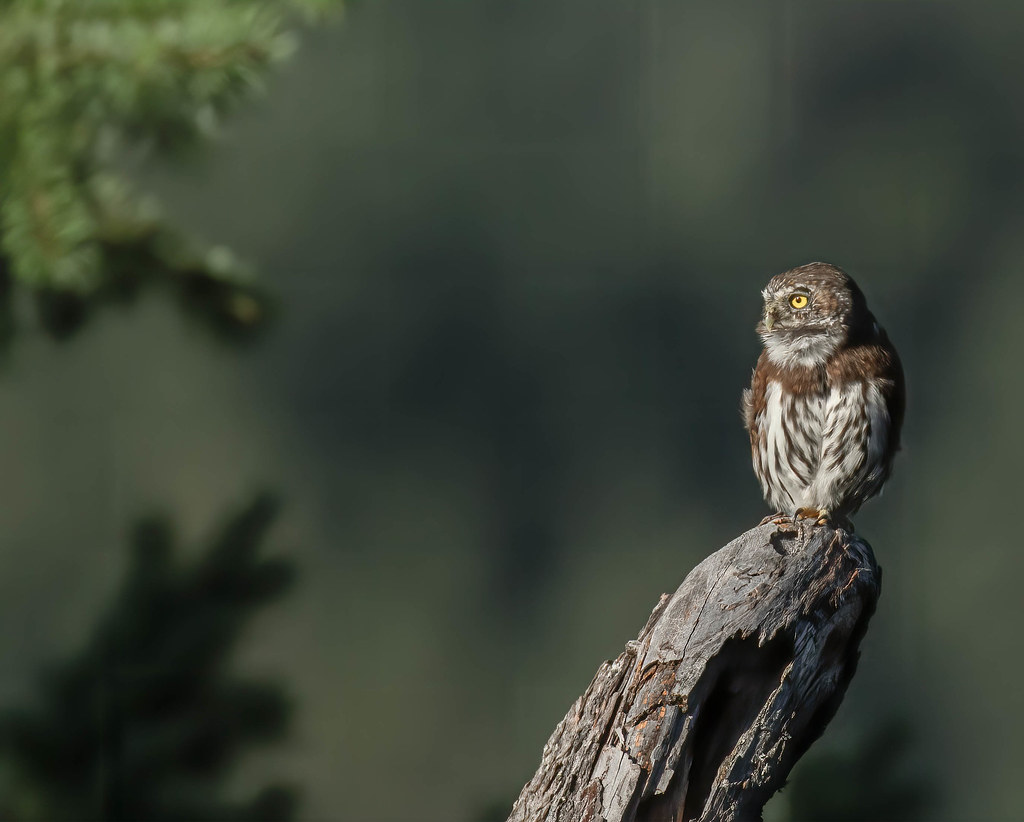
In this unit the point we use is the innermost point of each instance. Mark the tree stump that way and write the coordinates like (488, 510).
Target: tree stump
(728, 684)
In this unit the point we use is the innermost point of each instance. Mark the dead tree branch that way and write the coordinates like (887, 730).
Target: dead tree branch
(728, 684)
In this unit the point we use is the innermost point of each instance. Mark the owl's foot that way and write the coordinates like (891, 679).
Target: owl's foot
(775, 519)
(785, 525)
(821, 517)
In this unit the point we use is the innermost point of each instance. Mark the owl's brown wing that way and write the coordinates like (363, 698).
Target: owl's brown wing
(755, 401)
(862, 420)
(747, 408)
(754, 397)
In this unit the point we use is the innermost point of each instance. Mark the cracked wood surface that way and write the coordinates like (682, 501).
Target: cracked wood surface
(728, 684)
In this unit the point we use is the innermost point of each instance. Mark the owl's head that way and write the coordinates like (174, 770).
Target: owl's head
(809, 312)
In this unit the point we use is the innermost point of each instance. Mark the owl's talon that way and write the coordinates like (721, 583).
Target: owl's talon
(775, 519)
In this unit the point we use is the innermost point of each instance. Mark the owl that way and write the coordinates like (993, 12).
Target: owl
(825, 405)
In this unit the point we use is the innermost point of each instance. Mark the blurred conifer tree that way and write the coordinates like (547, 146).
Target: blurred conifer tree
(146, 721)
(80, 84)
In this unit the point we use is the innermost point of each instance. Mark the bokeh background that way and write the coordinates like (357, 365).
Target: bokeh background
(516, 252)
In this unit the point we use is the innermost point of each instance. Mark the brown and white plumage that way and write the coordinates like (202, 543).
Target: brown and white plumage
(825, 405)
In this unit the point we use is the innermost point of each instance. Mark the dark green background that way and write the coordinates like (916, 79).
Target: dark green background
(518, 249)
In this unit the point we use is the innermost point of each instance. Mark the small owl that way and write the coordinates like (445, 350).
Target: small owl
(825, 404)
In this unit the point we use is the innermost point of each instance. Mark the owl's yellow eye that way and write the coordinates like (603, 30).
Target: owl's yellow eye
(798, 301)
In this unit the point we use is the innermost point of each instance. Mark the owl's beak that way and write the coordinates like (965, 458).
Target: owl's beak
(769, 317)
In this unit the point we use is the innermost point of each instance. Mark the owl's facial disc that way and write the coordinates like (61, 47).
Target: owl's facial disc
(797, 326)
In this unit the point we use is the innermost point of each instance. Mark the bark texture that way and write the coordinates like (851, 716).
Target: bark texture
(728, 684)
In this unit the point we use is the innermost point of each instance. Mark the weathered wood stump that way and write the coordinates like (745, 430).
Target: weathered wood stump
(728, 684)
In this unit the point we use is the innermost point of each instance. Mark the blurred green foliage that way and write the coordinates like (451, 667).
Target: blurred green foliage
(145, 722)
(82, 86)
